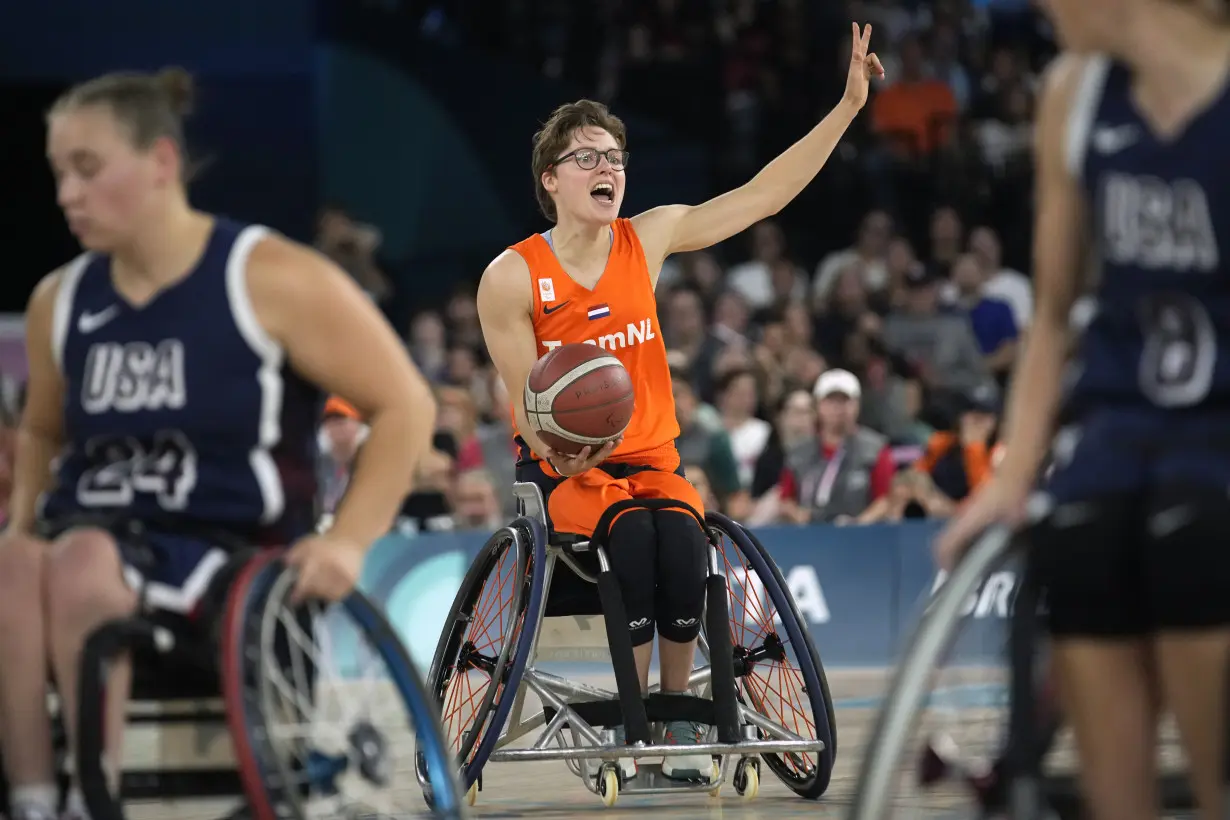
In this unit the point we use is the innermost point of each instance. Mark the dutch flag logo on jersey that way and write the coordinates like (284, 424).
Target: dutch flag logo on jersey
(599, 312)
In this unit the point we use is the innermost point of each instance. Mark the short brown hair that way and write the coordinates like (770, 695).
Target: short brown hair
(150, 106)
(552, 140)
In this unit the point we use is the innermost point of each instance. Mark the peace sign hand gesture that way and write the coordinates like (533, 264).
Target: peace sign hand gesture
(863, 66)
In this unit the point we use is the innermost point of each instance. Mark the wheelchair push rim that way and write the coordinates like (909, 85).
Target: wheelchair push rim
(462, 648)
(275, 787)
(763, 646)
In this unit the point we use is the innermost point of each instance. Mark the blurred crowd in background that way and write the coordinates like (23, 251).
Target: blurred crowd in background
(844, 363)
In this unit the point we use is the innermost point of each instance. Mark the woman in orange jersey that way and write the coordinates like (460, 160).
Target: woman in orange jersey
(591, 277)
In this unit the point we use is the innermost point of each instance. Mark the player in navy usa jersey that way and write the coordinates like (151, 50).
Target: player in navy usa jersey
(177, 372)
(1129, 531)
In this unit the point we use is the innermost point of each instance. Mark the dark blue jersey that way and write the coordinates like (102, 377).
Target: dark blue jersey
(1159, 211)
(183, 410)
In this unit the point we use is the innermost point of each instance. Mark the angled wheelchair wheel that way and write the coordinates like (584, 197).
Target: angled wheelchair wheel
(486, 642)
(325, 708)
(777, 667)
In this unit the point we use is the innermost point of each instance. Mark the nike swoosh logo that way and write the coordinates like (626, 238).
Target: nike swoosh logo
(547, 311)
(90, 322)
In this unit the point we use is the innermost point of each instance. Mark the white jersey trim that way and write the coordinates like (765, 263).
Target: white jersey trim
(269, 375)
(1085, 101)
(62, 311)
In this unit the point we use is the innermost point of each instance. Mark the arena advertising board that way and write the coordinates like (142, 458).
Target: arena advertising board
(861, 590)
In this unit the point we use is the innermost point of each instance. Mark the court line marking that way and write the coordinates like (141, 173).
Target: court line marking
(962, 696)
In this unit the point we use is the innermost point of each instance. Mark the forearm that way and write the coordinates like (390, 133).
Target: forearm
(31, 478)
(786, 176)
(383, 473)
(1032, 404)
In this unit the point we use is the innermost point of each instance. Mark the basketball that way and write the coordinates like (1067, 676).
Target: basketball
(578, 396)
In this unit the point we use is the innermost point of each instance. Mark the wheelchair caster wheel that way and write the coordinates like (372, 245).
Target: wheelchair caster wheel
(472, 794)
(715, 780)
(608, 785)
(747, 778)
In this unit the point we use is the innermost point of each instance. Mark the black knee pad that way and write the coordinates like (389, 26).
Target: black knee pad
(631, 543)
(682, 569)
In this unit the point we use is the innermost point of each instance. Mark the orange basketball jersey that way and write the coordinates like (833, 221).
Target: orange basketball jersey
(620, 315)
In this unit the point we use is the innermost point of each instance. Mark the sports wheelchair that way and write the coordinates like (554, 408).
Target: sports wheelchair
(1025, 789)
(491, 654)
(210, 710)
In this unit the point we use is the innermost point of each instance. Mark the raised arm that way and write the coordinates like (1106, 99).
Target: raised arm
(504, 307)
(677, 228)
(336, 338)
(41, 432)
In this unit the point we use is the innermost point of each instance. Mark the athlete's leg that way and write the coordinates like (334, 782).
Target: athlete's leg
(681, 594)
(1088, 556)
(25, 730)
(631, 542)
(682, 554)
(1188, 567)
(85, 588)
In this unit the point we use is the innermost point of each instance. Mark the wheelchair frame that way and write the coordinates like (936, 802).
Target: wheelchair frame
(1030, 793)
(189, 696)
(564, 701)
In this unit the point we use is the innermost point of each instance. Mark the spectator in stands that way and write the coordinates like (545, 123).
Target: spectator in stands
(870, 251)
(754, 278)
(940, 346)
(353, 247)
(844, 315)
(456, 415)
(687, 335)
(738, 398)
(913, 495)
(851, 468)
(428, 345)
(914, 113)
(1002, 283)
(462, 312)
(795, 429)
(341, 434)
(465, 370)
(731, 317)
(960, 461)
(427, 508)
(947, 239)
(697, 477)
(946, 64)
(475, 503)
(495, 439)
(703, 442)
(802, 366)
(992, 320)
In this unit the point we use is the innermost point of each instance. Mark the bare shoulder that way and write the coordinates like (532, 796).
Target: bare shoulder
(1060, 80)
(277, 260)
(286, 279)
(43, 297)
(505, 283)
(1058, 131)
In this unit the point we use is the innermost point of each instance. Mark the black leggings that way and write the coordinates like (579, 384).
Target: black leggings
(660, 560)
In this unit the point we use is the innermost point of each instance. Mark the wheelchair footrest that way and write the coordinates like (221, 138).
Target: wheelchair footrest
(745, 748)
(658, 709)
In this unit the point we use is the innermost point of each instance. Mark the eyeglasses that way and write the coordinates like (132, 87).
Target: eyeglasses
(587, 158)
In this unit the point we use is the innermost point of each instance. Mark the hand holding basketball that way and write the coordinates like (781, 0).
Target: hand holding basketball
(587, 459)
(578, 400)
(863, 66)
